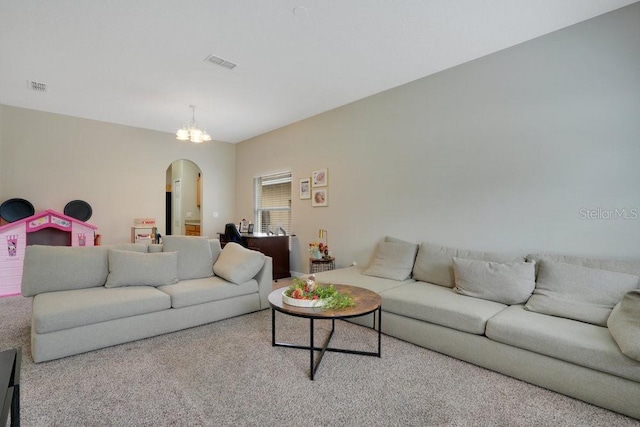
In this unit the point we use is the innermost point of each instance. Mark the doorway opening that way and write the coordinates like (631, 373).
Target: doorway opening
(183, 198)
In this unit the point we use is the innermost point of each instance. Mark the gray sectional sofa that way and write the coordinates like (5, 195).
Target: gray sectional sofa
(565, 323)
(86, 298)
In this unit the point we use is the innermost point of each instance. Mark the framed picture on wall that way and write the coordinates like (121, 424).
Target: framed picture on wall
(320, 197)
(319, 178)
(305, 188)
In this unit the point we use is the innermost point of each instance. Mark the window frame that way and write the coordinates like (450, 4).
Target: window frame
(278, 177)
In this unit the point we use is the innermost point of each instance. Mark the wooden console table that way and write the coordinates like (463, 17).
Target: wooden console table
(277, 247)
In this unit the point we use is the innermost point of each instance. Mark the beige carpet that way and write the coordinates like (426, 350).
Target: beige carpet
(228, 374)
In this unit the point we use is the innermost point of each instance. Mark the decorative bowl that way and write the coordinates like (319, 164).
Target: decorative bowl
(302, 302)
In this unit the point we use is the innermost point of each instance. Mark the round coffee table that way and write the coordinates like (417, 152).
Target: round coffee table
(366, 302)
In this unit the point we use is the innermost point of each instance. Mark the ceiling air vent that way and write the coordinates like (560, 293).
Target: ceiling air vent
(36, 86)
(221, 62)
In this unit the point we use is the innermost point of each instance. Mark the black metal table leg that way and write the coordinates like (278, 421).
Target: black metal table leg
(379, 330)
(312, 369)
(273, 327)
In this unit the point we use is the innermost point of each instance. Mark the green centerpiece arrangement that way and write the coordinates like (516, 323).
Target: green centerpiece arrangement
(307, 293)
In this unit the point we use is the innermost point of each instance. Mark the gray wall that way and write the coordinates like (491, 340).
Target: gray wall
(51, 159)
(503, 153)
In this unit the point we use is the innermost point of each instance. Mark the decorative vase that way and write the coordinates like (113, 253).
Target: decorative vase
(315, 254)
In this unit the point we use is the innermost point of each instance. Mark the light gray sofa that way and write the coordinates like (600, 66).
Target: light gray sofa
(550, 329)
(86, 298)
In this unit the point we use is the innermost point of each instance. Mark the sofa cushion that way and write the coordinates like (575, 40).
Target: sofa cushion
(60, 268)
(623, 266)
(508, 283)
(195, 260)
(393, 260)
(199, 291)
(577, 342)
(441, 306)
(434, 263)
(624, 324)
(54, 311)
(128, 268)
(353, 276)
(579, 293)
(237, 264)
(132, 247)
(216, 249)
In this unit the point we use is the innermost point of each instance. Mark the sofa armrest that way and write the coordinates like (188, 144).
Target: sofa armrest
(265, 282)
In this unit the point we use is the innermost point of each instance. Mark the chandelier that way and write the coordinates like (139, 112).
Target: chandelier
(191, 131)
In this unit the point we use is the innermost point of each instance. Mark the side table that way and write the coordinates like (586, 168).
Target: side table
(322, 264)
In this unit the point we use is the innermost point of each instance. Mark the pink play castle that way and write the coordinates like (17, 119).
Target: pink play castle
(46, 228)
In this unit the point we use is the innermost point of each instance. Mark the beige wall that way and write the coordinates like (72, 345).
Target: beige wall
(51, 159)
(502, 153)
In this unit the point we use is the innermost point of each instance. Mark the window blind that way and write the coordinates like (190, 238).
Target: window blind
(273, 202)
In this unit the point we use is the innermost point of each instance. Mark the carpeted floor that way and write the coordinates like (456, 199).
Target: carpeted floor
(227, 374)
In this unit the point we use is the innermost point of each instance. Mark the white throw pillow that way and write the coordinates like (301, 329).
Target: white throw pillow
(579, 293)
(128, 268)
(237, 264)
(393, 260)
(507, 283)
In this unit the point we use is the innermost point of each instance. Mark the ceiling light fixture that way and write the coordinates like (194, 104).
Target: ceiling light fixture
(191, 131)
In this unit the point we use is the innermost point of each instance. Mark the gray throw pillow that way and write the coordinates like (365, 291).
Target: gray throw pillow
(237, 264)
(434, 263)
(195, 260)
(579, 293)
(127, 268)
(624, 324)
(393, 260)
(507, 283)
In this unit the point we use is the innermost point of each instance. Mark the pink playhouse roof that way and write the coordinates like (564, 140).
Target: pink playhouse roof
(46, 219)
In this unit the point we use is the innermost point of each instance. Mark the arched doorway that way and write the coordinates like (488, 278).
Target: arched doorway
(183, 198)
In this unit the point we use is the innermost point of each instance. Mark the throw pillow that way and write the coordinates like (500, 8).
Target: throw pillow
(579, 293)
(127, 268)
(393, 260)
(624, 324)
(237, 264)
(195, 260)
(508, 283)
(434, 263)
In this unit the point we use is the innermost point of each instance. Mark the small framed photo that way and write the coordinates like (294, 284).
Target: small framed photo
(305, 188)
(319, 178)
(320, 197)
(250, 229)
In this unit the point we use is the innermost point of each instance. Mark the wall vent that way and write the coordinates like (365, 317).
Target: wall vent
(221, 62)
(36, 86)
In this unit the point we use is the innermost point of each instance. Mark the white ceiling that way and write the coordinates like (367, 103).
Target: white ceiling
(141, 62)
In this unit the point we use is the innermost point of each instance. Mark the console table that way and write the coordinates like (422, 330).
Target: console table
(10, 361)
(277, 247)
